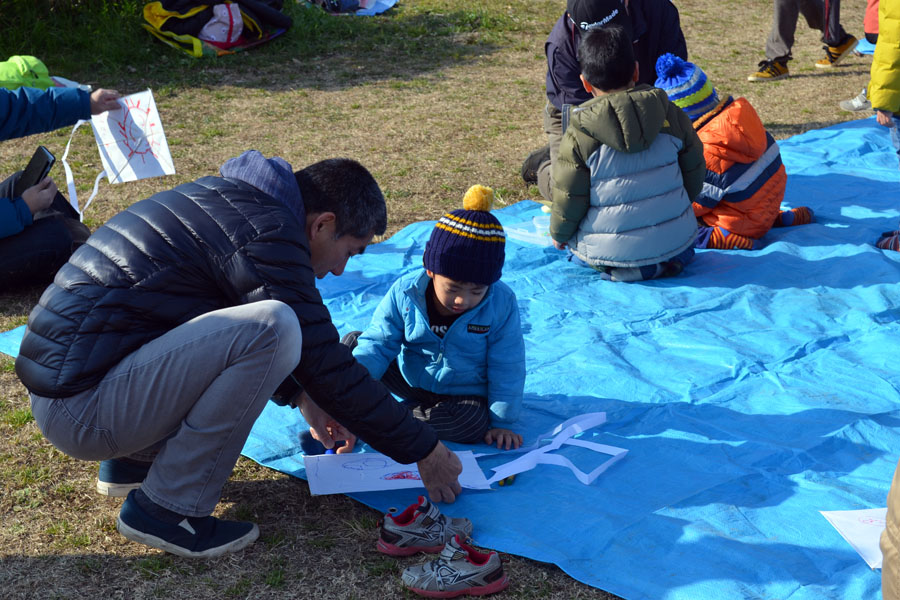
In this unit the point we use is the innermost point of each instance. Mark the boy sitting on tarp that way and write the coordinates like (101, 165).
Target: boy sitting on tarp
(628, 167)
(447, 339)
(745, 179)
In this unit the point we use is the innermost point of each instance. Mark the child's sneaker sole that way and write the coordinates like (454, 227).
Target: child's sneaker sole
(483, 590)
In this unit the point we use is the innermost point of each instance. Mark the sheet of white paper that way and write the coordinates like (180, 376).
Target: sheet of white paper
(131, 140)
(372, 472)
(862, 530)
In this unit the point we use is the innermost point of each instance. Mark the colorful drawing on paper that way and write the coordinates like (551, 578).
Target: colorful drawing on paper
(131, 140)
(370, 472)
(402, 475)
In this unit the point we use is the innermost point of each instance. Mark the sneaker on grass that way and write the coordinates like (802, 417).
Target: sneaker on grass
(835, 54)
(118, 476)
(770, 70)
(459, 570)
(857, 103)
(533, 162)
(193, 537)
(419, 528)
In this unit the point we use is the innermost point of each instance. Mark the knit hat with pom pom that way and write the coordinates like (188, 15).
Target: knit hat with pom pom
(468, 245)
(686, 85)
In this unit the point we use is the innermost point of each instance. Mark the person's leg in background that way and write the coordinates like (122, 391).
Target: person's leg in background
(553, 129)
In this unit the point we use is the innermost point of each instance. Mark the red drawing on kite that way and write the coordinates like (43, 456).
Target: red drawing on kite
(131, 140)
(131, 128)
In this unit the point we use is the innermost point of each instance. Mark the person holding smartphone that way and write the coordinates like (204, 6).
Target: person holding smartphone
(39, 229)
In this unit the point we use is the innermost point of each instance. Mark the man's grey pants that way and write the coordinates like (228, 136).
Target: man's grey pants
(822, 16)
(185, 401)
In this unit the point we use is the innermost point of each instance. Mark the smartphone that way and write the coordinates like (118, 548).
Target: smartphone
(38, 168)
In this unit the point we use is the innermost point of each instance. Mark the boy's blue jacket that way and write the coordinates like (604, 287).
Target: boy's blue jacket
(482, 353)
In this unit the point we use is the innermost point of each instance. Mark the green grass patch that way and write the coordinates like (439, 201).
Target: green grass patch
(17, 417)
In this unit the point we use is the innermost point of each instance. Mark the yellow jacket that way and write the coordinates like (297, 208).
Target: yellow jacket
(884, 85)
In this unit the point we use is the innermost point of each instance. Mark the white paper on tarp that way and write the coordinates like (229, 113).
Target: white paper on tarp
(563, 433)
(862, 530)
(373, 472)
(131, 140)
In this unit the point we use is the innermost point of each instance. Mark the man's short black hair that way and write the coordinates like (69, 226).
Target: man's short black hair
(607, 57)
(346, 188)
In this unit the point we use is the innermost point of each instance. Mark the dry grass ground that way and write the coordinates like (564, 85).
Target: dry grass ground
(455, 102)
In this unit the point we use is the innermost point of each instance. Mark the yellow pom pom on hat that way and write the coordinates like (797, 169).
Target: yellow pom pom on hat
(468, 245)
(478, 197)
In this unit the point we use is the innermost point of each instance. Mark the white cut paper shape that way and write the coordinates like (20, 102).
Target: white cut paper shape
(536, 454)
(862, 530)
(373, 472)
(131, 140)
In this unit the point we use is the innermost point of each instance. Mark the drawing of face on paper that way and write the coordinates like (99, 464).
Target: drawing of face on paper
(131, 140)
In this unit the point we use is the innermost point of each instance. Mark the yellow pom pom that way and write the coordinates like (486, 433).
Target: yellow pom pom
(479, 197)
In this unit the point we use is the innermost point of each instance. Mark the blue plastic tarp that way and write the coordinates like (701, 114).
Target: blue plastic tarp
(752, 391)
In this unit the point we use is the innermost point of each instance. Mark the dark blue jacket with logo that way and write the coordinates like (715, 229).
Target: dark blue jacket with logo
(657, 30)
(482, 353)
(202, 246)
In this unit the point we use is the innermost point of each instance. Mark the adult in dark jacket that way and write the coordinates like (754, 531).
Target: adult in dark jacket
(160, 341)
(655, 29)
(40, 229)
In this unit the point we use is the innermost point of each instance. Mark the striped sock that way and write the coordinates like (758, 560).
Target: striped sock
(889, 241)
(801, 215)
(722, 239)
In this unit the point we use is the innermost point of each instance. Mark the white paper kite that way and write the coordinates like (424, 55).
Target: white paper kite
(131, 140)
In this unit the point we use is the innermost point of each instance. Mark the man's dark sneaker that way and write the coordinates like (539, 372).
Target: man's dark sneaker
(193, 537)
(531, 164)
(770, 70)
(117, 477)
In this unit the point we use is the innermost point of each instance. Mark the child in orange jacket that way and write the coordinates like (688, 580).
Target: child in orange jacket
(745, 179)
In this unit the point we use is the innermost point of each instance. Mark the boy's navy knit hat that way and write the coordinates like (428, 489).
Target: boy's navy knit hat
(686, 85)
(590, 14)
(468, 245)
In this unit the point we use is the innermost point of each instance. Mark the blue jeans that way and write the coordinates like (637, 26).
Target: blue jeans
(185, 401)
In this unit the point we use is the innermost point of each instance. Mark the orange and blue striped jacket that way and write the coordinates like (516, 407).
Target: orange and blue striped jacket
(745, 178)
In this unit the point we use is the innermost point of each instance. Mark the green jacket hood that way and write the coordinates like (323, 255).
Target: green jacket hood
(627, 121)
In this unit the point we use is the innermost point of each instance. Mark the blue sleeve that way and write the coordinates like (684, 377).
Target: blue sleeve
(506, 361)
(14, 216)
(380, 343)
(25, 111)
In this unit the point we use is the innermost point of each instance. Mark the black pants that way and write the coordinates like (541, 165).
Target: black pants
(463, 419)
(33, 255)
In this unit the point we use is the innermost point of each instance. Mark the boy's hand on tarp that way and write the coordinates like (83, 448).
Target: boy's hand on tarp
(324, 427)
(884, 117)
(440, 474)
(505, 438)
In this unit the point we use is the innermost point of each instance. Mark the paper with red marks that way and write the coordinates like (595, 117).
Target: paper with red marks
(131, 140)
